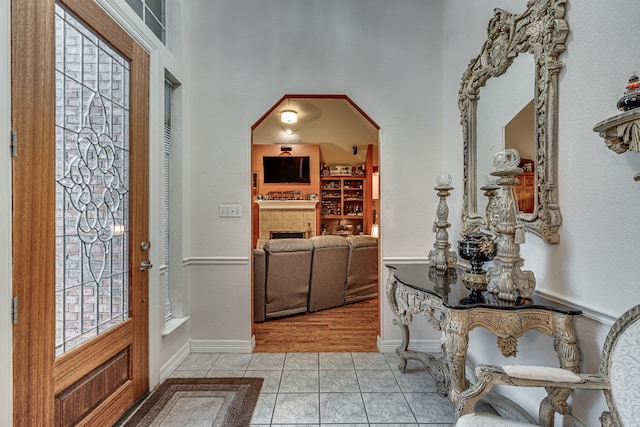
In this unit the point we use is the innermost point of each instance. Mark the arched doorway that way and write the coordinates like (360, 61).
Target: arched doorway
(331, 140)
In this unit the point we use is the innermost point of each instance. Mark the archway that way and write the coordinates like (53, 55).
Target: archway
(338, 140)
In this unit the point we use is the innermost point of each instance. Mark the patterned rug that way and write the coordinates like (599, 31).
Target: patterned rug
(181, 402)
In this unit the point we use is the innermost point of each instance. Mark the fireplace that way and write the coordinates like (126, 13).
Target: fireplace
(282, 219)
(287, 235)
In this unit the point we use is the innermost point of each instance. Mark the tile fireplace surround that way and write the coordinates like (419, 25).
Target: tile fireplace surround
(285, 216)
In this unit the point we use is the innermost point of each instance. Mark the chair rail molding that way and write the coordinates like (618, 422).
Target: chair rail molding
(212, 260)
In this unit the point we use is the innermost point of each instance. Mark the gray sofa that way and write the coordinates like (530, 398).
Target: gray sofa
(297, 275)
(362, 275)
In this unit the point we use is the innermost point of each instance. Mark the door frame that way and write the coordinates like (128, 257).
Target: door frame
(6, 335)
(254, 217)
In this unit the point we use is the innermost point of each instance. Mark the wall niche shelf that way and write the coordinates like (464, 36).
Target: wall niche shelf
(621, 132)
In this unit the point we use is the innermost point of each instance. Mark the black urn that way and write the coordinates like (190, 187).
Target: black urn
(477, 248)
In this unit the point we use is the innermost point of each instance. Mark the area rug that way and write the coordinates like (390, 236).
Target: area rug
(181, 402)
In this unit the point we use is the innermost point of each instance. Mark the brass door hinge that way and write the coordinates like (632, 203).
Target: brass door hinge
(14, 143)
(14, 310)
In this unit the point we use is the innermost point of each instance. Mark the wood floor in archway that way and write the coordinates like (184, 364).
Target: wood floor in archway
(350, 328)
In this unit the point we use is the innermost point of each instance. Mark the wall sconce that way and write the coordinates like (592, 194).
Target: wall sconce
(289, 116)
(375, 186)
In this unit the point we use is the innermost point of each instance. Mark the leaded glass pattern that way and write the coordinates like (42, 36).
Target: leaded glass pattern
(92, 182)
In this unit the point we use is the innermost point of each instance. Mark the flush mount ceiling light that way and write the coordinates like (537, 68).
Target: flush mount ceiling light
(289, 116)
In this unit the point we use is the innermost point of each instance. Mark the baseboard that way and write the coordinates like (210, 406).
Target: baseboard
(174, 362)
(425, 346)
(221, 346)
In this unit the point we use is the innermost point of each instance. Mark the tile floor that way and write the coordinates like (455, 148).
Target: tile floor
(331, 389)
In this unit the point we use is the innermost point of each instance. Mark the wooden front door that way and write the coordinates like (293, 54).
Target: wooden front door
(80, 215)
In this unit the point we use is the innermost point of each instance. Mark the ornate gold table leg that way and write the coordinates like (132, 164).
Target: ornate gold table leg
(411, 303)
(456, 343)
(401, 351)
(401, 321)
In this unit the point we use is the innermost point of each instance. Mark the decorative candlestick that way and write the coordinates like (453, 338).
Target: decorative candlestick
(441, 257)
(505, 278)
(490, 189)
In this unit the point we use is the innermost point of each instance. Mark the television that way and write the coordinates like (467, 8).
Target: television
(286, 169)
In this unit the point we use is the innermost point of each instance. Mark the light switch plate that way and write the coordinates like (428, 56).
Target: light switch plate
(230, 211)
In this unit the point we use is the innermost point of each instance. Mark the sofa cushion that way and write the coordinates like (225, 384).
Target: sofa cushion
(362, 272)
(362, 241)
(287, 245)
(328, 272)
(287, 276)
(328, 241)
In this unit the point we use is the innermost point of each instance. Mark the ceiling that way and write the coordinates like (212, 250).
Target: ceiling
(334, 122)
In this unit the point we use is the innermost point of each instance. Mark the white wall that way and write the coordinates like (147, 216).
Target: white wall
(244, 55)
(593, 266)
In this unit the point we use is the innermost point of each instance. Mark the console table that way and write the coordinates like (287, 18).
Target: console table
(448, 306)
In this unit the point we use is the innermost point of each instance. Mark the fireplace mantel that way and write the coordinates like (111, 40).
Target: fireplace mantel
(287, 204)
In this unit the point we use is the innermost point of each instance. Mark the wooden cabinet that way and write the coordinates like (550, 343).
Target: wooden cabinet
(525, 192)
(345, 205)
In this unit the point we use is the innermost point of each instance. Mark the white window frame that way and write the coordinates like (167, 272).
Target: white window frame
(171, 277)
(147, 15)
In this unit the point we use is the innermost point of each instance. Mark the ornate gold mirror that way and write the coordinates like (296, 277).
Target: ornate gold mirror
(536, 36)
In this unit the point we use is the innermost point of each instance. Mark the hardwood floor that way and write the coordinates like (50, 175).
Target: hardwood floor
(350, 328)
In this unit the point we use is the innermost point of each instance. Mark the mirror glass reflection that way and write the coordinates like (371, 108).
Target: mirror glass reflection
(506, 120)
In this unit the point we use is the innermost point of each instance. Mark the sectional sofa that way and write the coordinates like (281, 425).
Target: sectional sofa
(293, 276)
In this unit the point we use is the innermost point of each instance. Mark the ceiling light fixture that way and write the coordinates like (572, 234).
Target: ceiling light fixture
(288, 131)
(289, 116)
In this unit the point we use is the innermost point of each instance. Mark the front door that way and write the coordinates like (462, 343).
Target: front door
(80, 210)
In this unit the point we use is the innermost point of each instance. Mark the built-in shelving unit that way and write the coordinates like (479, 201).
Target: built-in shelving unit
(345, 205)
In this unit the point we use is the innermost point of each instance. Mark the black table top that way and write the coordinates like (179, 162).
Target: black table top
(449, 288)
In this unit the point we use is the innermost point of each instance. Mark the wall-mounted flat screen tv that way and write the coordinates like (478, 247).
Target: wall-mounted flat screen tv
(286, 169)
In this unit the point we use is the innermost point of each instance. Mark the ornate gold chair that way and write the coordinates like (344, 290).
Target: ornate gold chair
(618, 376)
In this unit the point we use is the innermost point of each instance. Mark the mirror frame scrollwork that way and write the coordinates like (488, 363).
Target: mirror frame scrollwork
(541, 30)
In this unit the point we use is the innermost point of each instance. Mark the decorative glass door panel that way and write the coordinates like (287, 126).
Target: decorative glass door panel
(80, 213)
(92, 184)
